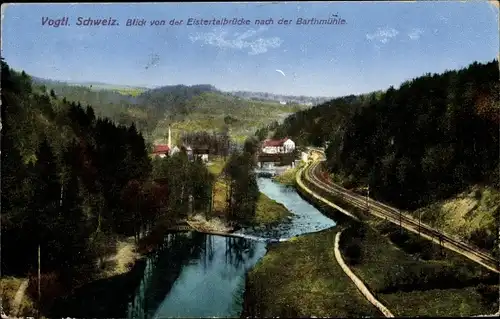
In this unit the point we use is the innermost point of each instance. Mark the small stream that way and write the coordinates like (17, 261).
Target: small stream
(199, 275)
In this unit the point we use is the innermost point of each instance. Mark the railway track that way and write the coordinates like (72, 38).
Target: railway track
(312, 175)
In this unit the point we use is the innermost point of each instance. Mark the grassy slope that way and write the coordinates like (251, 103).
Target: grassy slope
(211, 108)
(130, 91)
(380, 257)
(464, 214)
(301, 278)
(268, 211)
(288, 177)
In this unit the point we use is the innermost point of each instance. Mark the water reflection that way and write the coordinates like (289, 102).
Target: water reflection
(163, 267)
(207, 283)
(198, 275)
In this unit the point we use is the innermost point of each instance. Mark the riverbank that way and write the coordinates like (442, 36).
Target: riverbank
(302, 278)
(402, 270)
(287, 178)
(420, 283)
(18, 299)
(268, 212)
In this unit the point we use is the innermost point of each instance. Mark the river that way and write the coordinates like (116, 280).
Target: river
(199, 275)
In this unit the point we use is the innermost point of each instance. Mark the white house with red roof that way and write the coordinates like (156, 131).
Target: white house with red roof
(284, 145)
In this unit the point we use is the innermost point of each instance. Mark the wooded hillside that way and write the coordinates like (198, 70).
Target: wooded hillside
(430, 139)
(73, 182)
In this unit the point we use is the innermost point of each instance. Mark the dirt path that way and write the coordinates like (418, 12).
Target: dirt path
(359, 284)
(126, 255)
(19, 297)
(199, 223)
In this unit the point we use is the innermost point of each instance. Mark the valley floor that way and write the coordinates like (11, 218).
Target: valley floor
(302, 278)
(406, 274)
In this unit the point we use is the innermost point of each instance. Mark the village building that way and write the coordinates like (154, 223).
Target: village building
(161, 150)
(174, 150)
(284, 145)
(201, 152)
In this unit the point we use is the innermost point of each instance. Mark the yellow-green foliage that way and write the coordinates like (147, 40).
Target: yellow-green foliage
(269, 211)
(217, 165)
(208, 111)
(137, 113)
(130, 91)
(288, 177)
(464, 214)
(9, 287)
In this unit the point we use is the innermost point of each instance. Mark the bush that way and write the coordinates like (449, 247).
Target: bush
(353, 252)
(489, 295)
(483, 238)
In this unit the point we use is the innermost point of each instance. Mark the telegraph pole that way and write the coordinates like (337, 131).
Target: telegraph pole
(400, 226)
(441, 244)
(39, 292)
(419, 220)
(367, 199)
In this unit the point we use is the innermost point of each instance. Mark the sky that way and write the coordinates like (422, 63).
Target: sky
(379, 45)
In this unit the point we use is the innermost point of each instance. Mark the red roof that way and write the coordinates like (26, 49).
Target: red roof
(275, 142)
(161, 149)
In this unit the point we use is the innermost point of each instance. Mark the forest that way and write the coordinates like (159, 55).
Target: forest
(429, 139)
(73, 183)
(426, 140)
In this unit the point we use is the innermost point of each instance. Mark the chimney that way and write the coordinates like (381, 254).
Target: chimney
(169, 138)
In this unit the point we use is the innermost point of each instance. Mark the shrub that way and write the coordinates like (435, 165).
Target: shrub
(489, 295)
(353, 252)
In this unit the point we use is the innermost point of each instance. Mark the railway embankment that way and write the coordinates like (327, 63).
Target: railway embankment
(409, 274)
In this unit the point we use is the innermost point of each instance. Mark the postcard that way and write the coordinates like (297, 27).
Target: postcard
(250, 159)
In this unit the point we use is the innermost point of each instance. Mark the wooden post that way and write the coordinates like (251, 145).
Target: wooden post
(39, 279)
(367, 199)
(441, 245)
(400, 226)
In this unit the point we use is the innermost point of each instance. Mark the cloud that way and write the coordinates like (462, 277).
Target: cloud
(239, 41)
(382, 35)
(415, 34)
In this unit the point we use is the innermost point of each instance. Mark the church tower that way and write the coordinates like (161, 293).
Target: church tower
(169, 138)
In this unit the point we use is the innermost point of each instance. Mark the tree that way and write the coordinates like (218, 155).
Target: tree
(243, 189)
(44, 203)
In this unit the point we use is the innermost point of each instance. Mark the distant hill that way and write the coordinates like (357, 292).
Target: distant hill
(107, 86)
(270, 97)
(185, 108)
(213, 111)
(173, 97)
